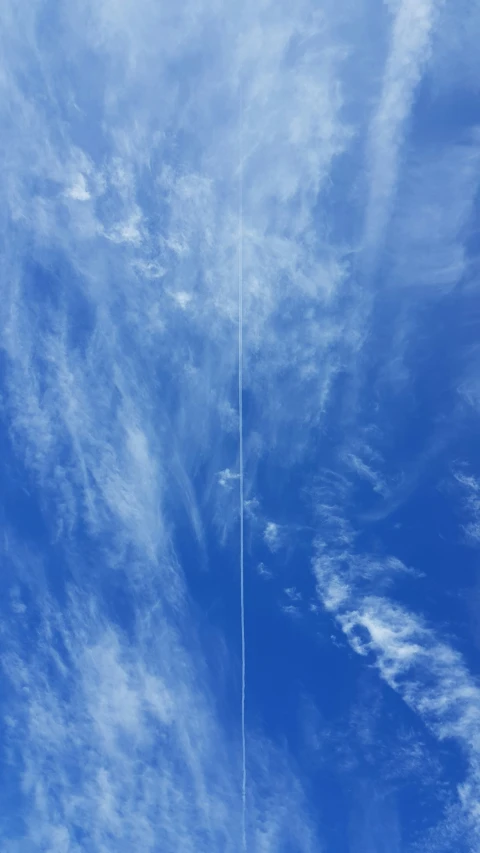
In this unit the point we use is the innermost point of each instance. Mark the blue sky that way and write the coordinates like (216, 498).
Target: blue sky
(331, 153)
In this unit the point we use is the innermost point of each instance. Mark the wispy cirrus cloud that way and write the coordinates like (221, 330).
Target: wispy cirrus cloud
(116, 737)
(119, 320)
(471, 503)
(427, 672)
(407, 57)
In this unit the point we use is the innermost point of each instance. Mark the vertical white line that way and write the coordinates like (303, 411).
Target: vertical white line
(240, 480)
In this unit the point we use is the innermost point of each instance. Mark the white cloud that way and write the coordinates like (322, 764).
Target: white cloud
(435, 203)
(120, 367)
(226, 477)
(78, 191)
(408, 54)
(293, 594)
(182, 298)
(111, 748)
(429, 674)
(114, 409)
(471, 491)
(272, 535)
(263, 571)
(366, 472)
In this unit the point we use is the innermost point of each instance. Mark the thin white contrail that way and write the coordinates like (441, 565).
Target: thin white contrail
(240, 479)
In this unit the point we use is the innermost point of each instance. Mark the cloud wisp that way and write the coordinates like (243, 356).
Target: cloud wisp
(119, 393)
(407, 57)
